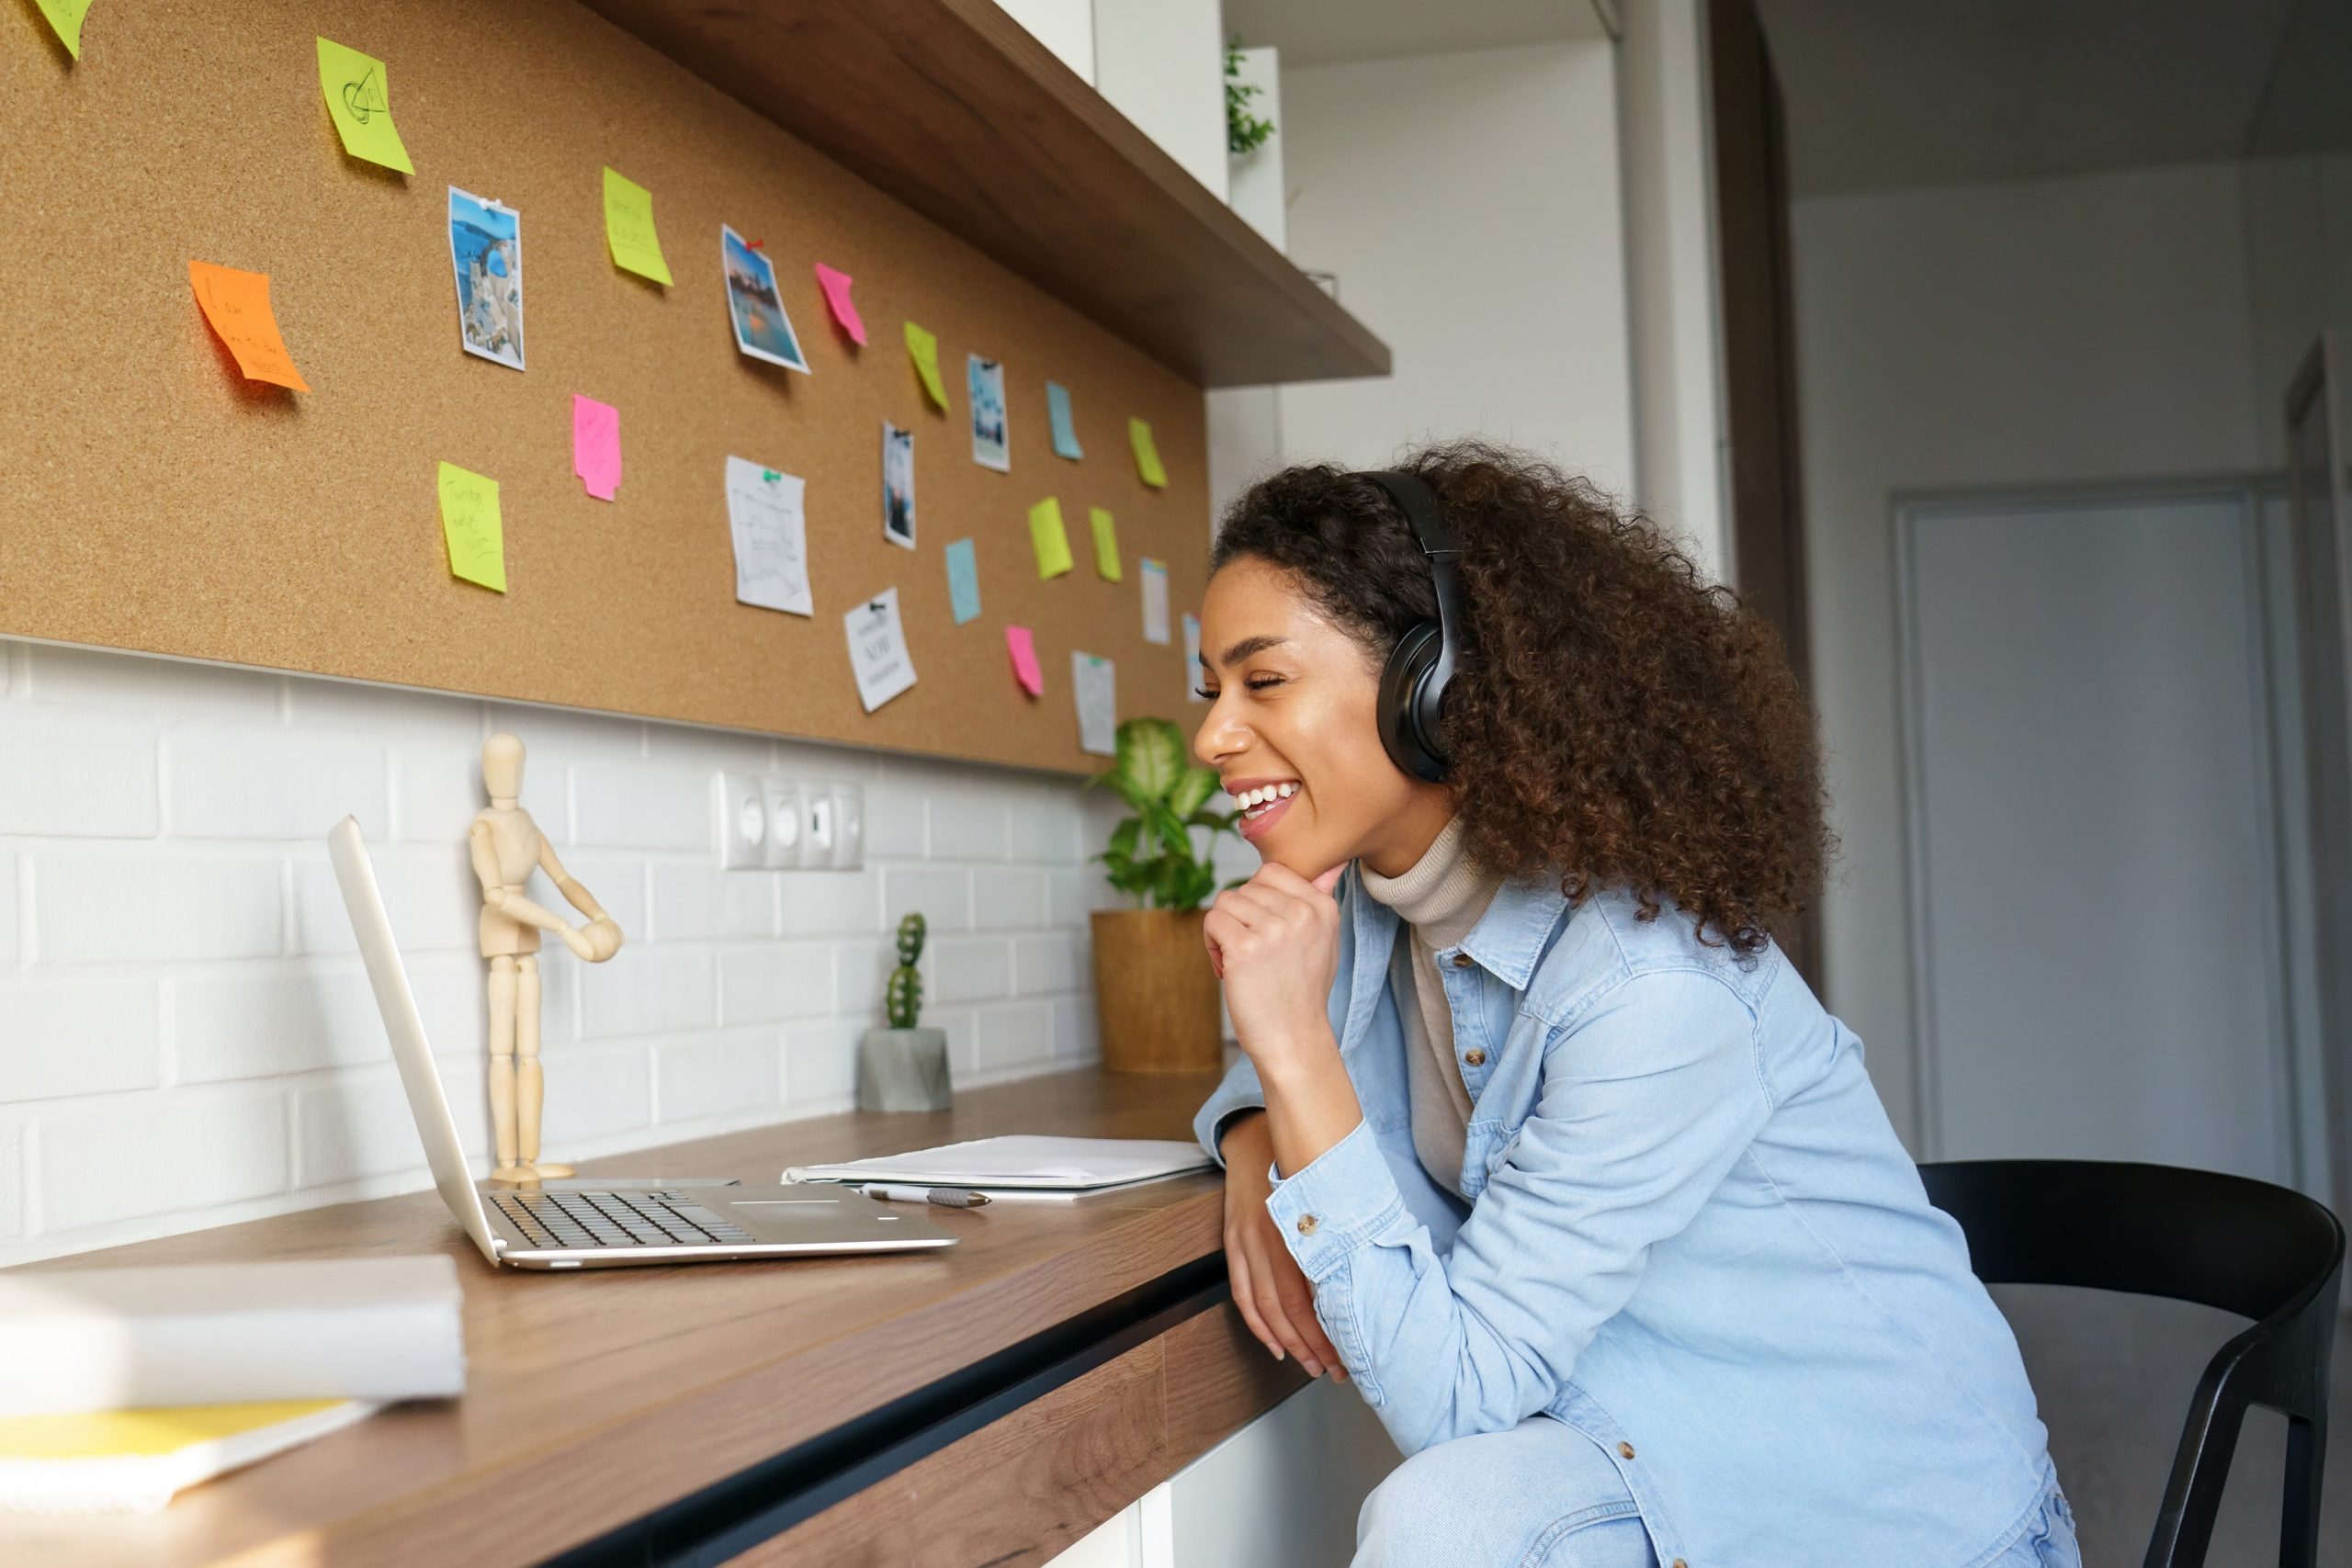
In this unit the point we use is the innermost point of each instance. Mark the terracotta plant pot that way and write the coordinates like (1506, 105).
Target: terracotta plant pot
(1155, 995)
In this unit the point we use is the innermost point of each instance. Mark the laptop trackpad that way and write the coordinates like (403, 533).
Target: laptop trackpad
(811, 1210)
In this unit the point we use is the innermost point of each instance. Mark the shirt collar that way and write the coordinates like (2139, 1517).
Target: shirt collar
(1506, 941)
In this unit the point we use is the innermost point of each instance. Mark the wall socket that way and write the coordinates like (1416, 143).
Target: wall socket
(776, 823)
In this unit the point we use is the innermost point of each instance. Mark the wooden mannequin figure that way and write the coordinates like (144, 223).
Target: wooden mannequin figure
(507, 846)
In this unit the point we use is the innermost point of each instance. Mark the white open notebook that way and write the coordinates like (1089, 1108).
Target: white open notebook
(1024, 1167)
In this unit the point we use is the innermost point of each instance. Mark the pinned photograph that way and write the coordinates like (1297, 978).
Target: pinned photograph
(985, 380)
(762, 329)
(897, 485)
(486, 249)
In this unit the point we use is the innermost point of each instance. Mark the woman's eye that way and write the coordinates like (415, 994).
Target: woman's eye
(1259, 683)
(1204, 694)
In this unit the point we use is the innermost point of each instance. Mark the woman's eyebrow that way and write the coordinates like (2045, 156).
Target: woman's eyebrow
(1250, 645)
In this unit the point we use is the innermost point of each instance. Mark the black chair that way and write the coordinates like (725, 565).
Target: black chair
(2261, 1251)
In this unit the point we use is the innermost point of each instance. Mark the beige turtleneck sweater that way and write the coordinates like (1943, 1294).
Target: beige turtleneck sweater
(1440, 899)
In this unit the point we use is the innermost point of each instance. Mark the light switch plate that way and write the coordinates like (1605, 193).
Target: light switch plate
(784, 822)
(849, 826)
(743, 821)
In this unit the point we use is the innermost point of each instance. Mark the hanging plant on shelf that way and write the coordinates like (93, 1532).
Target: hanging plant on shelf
(1244, 132)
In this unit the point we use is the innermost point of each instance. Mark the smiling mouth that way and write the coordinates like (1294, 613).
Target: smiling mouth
(1264, 806)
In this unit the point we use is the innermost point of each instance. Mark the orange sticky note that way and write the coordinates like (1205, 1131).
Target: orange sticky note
(1023, 648)
(237, 304)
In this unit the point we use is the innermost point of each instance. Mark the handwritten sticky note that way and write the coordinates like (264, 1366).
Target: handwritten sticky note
(963, 582)
(1154, 601)
(1023, 648)
(1093, 686)
(924, 348)
(1147, 453)
(771, 532)
(1058, 411)
(1193, 657)
(361, 106)
(1106, 544)
(628, 228)
(835, 283)
(237, 304)
(1046, 535)
(65, 16)
(596, 446)
(877, 649)
(470, 525)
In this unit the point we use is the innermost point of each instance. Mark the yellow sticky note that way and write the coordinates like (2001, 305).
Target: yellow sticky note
(361, 106)
(66, 15)
(1045, 533)
(469, 522)
(1106, 544)
(628, 228)
(925, 350)
(237, 304)
(1147, 453)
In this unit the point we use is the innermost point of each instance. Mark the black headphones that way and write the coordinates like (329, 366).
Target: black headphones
(1412, 682)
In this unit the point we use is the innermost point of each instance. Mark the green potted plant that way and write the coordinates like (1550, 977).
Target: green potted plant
(1155, 995)
(904, 1066)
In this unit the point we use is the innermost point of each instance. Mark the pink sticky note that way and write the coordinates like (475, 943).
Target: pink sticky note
(836, 286)
(596, 446)
(1025, 659)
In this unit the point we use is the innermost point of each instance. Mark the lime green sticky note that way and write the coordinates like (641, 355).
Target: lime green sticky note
(1045, 533)
(1106, 544)
(361, 106)
(925, 350)
(628, 228)
(1147, 453)
(469, 522)
(66, 15)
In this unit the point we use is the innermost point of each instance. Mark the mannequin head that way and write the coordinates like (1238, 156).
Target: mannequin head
(502, 768)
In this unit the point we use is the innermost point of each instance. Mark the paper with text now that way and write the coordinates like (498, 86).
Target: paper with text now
(470, 525)
(237, 304)
(361, 106)
(628, 228)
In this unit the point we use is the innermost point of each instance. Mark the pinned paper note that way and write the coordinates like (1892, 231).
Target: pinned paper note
(470, 523)
(1019, 643)
(1154, 601)
(1057, 415)
(877, 649)
(65, 16)
(1193, 657)
(237, 304)
(1046, 535)
(1093, 683)
(835, 283)
(924, 349)
(984, 381)
(1147, 453)
(963, 582)
(1106, 543)
(897, 485)
(762, 327)
(770, 537)
(486, 251)
(361, 106)
(596, 446)
(628, 228)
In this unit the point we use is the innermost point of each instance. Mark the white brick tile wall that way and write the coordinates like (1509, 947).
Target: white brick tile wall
(187, 1036)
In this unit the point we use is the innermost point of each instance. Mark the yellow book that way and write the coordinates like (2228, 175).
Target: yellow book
(118, 1461)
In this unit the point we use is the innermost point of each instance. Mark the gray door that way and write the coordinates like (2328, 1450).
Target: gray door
(2095, 915)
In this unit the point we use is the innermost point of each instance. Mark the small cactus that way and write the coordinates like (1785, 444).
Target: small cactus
(904, 1000)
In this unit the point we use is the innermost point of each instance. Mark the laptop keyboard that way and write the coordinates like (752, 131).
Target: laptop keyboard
(615, 1219)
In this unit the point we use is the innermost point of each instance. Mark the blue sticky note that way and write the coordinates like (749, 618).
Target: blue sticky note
(1065, 432)
(963, 582)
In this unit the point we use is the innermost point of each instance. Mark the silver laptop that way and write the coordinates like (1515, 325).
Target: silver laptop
(573, 1228)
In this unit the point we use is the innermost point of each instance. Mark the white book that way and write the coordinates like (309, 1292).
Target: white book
(372, 1328)
(1023, 1166)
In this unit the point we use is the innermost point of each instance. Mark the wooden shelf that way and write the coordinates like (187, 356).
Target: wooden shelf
(952, 108)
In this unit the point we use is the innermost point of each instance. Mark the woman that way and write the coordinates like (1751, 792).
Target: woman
(1572, 1177)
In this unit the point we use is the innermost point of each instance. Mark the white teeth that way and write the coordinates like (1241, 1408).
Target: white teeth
(1288, 790)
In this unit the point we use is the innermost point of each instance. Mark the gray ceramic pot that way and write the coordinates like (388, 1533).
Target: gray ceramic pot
(903, 1069)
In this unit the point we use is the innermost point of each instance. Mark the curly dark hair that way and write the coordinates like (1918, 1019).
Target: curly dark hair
(1612, 720)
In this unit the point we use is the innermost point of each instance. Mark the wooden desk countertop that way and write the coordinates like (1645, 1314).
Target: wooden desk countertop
(596, 1398)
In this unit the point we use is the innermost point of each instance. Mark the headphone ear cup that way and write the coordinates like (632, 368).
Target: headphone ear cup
(1407, 709)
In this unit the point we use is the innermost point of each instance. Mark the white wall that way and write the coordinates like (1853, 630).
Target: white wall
(186, 1037)
(2084, 328)
(1064, 27)
(1161, 62)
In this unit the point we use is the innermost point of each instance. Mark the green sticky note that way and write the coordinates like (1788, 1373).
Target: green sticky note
(925, 350)
(1106, 544)
(628, 228)
(1147, 453)
(361, 106)
(1045, 533)
(470, 523)
(66, 15)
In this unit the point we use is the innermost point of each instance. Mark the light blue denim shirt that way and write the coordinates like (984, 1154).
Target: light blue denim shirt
(1692, 1234)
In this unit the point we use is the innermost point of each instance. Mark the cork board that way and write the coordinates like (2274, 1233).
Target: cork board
(151, 499)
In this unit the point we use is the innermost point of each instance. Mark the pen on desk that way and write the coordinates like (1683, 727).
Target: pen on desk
(946, 1196)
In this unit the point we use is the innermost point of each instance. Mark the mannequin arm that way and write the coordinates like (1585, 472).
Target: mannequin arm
(507, 901)
(579, 897)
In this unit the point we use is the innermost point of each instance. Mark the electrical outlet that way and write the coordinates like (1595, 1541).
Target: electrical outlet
(784, 822)
(817, 826)
(743, 821)
(849, 826)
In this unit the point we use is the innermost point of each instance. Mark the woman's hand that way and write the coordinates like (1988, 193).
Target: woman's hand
(1274, 941)
(1274, 1297)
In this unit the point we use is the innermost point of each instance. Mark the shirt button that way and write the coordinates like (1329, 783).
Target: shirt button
(1306, 1225)
(1626, 1450)
(1679, 1564)
(1476, 1058)
(1462, 960)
